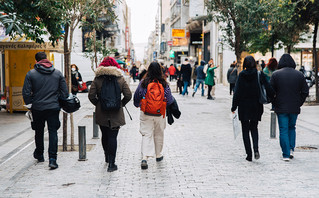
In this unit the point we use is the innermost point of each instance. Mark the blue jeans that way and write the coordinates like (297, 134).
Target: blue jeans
(185, 88)
(287, 132)
(198, 82)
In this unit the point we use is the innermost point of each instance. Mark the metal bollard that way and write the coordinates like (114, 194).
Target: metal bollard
(95, 128)
(272, 125)
(82, 143)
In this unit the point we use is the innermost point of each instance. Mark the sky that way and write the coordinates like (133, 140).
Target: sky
(143, 13)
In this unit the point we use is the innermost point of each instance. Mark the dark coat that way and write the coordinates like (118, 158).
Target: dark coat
(290, 87)
(246, 95)
(111, 119)
(186, 71)
(232, 75)
(172, 110)
(42, 88)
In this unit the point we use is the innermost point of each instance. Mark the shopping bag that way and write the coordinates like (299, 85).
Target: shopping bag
(236, 125)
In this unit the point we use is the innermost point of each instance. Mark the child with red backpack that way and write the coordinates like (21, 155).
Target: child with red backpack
(152, 96)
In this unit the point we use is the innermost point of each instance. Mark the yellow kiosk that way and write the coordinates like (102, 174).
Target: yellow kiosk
(19, 58)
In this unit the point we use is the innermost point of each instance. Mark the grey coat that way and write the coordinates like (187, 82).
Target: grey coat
(232, 75)
(111, 119)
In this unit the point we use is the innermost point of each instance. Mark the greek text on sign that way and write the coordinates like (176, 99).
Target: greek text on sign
(178, 33)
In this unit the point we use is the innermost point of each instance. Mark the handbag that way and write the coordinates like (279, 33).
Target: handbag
(263, 98)
(70, 104)
(236, 125)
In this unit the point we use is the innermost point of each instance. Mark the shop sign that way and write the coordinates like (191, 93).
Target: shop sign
(29, 46)
(171, 54)
(180, 49)
(180, 42)
(180, 33)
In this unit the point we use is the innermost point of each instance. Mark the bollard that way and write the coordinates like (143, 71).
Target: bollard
(82, 143)
(95, 128)
(272, 124)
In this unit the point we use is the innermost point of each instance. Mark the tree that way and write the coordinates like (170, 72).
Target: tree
(282, 23)
(239, 21)
(32, 18)
(311, 16)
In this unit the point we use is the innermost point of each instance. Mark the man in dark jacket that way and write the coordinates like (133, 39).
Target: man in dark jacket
(200, 78)
(291, 92)
(42, 87)
(186, 71)
(232, 77)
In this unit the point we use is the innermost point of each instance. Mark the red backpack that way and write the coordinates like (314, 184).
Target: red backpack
(153, 103)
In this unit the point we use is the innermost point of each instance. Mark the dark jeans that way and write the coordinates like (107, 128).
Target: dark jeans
(53, 122)
(250, 126)
(109, 141)
(209, 90)
(231, 87)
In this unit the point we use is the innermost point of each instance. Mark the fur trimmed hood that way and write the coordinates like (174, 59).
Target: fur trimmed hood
(110, 70)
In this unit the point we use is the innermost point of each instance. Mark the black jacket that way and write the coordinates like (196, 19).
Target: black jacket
(172, 110)
(232, 75)
(290, 86)
(246, 95)
(186, 71)
(42, 88)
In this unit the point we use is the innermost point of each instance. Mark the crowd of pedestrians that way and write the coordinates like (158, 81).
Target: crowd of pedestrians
(286, 89)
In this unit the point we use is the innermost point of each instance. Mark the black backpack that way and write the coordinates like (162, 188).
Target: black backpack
(110, 96)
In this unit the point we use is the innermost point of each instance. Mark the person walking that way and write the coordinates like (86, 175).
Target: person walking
(179, 83)
(133, 72)
(42, 88)
(76, 78)
(109, 121)
(186, 71)
(246, 98)
(194, 74)
(200, 78)
(291, 92)
(270, 68)
(232, 74)
(172, 72)
(209, 80)
(152, 116)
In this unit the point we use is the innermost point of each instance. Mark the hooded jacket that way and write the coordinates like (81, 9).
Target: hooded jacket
(200, 71)
(186, 71)
(289, 85)
(43, 86)
(111, 119)
(246, 95)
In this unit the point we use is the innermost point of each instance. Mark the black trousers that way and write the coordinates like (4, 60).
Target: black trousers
(250, 126)
(109, 141)
(53, 122)
(209, 90)
(231, 87)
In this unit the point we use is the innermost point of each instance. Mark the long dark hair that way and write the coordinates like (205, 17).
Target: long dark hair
(154, 72)
(249, 62)
(272, 64)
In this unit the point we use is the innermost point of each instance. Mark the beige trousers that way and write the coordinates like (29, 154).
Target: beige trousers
(152, 130)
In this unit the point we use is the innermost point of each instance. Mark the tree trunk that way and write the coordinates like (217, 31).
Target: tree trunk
(289, 49)
(315, 58)
(95, 53)
(70, 84)
(66, 75)
(237, 49)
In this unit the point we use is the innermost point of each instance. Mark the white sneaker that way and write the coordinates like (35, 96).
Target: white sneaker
(291, 154)
(286, 159)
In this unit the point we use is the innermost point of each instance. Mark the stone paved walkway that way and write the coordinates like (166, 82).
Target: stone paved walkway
(201, 159)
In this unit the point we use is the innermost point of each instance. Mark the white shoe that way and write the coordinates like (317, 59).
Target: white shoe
(286, 159)
(291, 154)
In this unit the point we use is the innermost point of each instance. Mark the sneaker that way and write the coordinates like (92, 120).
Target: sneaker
(40, 158)
(144, 164)
(286, 159)
(159, 158)
(53, 164)
(291, 154)
(257, 155)
(193, 94)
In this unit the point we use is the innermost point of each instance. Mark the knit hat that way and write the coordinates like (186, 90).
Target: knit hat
(109, 61)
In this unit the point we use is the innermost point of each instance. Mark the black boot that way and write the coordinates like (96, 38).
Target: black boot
(112, 166)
